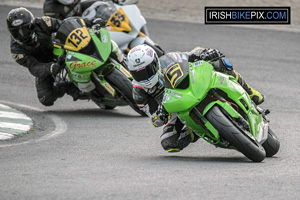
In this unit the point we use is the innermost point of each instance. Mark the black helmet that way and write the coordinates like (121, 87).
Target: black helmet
(19, 23)
(62, 9)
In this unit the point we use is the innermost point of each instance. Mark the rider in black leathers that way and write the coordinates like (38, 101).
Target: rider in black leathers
(148, 90)
(62, 9)
(31, 46)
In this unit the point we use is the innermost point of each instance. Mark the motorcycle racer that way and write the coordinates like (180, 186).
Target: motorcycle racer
(62, 9)
(148, 91)
(126, 28)
(31, 46)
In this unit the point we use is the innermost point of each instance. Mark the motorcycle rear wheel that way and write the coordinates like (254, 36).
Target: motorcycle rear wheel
(272, 144)
(230, 131)
(123, 86)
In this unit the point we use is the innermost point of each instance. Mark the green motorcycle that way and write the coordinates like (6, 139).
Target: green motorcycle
(215, 107)
(91, 63)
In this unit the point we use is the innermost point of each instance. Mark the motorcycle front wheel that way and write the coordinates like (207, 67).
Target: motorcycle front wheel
(272, 144)
(231, 132)
(123, 86)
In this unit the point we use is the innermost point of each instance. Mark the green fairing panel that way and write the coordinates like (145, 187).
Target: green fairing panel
(103, 43)
(202, 79)
(189, 122)
(255, 124)
(81, 65)
(235, 91)
(176, 100)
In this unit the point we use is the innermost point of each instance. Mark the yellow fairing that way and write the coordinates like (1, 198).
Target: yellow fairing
(118, 22)
(77, 39)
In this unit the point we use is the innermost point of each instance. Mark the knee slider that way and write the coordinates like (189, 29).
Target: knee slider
(46, 102)
(48, 99)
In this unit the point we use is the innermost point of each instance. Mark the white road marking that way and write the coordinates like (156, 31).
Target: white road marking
(13, 122)
(3, 106)
(6, 136)
(23, 106)
(60, 126)
(13, 115)
(15, 126)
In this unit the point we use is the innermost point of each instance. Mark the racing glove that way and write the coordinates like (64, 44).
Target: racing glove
(211, 54)
(160, 117)
(55, 68)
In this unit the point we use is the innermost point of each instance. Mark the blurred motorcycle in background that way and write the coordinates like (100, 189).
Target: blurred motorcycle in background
(125, 24)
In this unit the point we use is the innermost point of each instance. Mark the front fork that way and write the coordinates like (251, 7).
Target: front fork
(121, 68)
(101, 79)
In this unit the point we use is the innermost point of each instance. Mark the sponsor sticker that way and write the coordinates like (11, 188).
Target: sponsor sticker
(104, 39)
(17, 22)
(47, 20)
(17, 56)
(75, 65)
(199, 63)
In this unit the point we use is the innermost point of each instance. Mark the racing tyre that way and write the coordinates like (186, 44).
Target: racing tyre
(237, 137)
(104, 107)
(272, 144)
(124, 87)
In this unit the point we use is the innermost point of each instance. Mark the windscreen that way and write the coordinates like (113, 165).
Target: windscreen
(104, 10)
(73, 34)
(175, 68)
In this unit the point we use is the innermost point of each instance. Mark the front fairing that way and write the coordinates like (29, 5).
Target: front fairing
(202, 79)
(73, 35)
(81, 65)
(136, 20)
(117, 20)
(124, 22)
(85, 50)
(179, 100)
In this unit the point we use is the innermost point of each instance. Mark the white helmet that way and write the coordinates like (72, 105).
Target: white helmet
(143, 65)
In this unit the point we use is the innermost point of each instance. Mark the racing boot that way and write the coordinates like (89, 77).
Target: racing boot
(256, 97)
(60, 89)
(65, 87)
(173, 141)
(73, 91)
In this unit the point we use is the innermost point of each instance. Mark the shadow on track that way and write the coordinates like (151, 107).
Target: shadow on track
(92, 112)
(195, 159)
(232, 159)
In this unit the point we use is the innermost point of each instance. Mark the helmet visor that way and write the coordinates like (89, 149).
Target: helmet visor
(145, 74)
(22, 33)
(66, 2)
